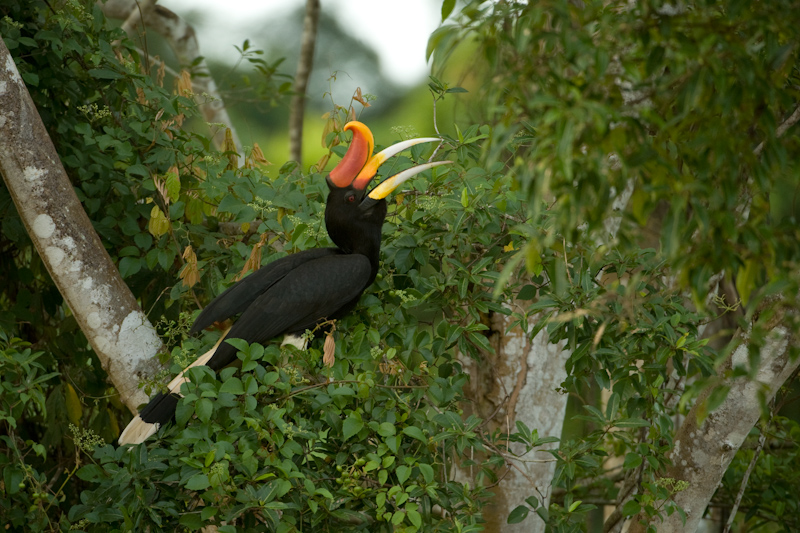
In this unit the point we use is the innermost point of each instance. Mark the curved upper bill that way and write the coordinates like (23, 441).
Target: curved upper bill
(371, 167)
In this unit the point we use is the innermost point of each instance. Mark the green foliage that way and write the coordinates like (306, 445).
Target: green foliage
(650, 143)
(369, 443)
(770, 495)
(265, 449)
(595, 98)
(25, 497)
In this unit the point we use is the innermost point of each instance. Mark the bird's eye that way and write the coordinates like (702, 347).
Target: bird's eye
(350, 198)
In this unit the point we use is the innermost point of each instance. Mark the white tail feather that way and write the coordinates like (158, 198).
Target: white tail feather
(174, 386)
(138, 431)
(301, 343)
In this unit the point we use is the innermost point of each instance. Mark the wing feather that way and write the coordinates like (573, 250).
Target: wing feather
(242, 294)
(323, 288)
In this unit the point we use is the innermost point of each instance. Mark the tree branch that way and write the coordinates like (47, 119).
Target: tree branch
(136, 14)
(106, 310)
(704, 449)
(761, 440)
(788, 123)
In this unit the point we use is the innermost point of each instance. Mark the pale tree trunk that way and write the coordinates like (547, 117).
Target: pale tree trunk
(519, 382)
(304, 66)
(704, 450)
(182, 39)
(107, 312)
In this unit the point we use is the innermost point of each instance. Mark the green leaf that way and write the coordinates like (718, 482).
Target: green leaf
(612, 406)
(173, 184)
(198, 482)
(519, 514)
(717, 396)
(402, 473)
(414, 517)
(232, 385)
(386, 429)
(191, 521)
(415, 432)
(103, 73)
(632, 460)
(352, 425)
(128, 266)
(630, 508)
(427, 472)
(528, 292)
(439, 38)
(632, 423)
(203, 408)
(447, 8)
(30, 78)
(746, 279)
(159, 224)
(92, 473)
(393, 443)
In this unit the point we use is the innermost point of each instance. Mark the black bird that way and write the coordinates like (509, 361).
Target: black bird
(300, 291)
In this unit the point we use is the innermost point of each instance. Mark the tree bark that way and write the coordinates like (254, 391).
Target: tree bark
(704, 450)
(304, 66)
(520, 383)
(182, 39)
(107, 312)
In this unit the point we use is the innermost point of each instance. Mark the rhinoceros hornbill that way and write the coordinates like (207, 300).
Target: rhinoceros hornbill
(302, 290)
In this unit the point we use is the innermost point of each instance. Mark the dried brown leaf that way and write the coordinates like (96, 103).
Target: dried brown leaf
(328, 357)
(190, 274)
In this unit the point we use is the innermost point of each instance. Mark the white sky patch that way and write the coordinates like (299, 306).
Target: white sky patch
(398, 30)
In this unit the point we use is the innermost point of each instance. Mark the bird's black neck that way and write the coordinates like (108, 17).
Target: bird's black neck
(353, 230)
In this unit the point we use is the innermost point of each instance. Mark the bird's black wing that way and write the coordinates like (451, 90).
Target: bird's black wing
(314, 291)
(236, 298)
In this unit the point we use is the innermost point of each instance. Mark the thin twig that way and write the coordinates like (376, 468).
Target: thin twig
(435, 126)
(566, 261)
(436, 129)
(761, 440)
(326, 383)
(788, 123)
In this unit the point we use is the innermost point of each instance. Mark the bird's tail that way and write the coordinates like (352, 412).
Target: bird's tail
(161, 407)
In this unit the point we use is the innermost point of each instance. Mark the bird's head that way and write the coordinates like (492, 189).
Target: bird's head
(353, 214)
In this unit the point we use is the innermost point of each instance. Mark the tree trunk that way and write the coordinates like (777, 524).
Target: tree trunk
(182, 39)
(519, 383)
(704, 450)
(107, 312)
(304, 65)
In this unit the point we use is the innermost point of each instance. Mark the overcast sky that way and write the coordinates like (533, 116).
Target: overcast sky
(397, 29)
